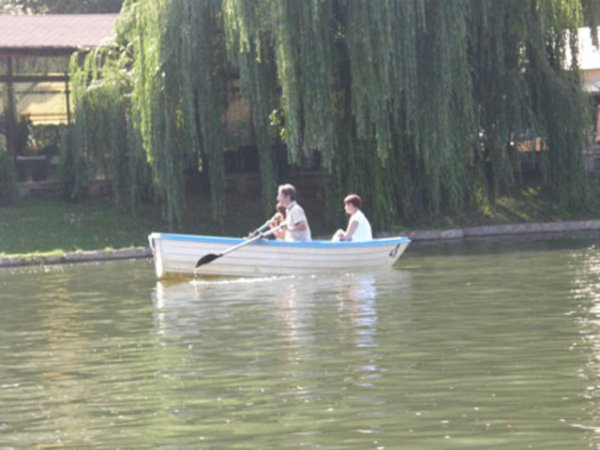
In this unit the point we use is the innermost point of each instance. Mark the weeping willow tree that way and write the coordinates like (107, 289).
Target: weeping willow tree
(103, 141)
(179, 94)
(415, 104)
(248, 36)
(527, 84)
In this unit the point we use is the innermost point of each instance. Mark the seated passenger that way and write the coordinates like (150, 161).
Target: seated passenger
(277, 220)
(359, 228)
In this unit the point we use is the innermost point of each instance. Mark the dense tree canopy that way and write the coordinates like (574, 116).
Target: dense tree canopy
(416, 104)
(60, 6)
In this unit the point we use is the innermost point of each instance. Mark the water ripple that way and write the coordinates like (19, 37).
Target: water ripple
(459, 348)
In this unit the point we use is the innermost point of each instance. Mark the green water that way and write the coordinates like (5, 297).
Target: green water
(490, 344)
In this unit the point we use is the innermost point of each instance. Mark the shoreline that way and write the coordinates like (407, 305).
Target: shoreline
(517, 229)
(452, 234)
(75, 257)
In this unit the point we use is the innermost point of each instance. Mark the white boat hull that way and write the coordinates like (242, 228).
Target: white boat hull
(177, 254)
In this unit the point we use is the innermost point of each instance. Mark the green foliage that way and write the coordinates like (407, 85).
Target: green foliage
(414, 104)
(72, 174)
(60, 6)
(248, 36)
(103, 140)
(47, 137)
(395, 95)
(8, 185)
(591, 18)
(179, 95)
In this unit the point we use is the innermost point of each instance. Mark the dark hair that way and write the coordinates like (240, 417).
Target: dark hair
(280, 209)
(288, 190)
(354, 200)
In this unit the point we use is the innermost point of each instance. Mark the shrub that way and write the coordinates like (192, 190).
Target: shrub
(8, 180)
(72, 176)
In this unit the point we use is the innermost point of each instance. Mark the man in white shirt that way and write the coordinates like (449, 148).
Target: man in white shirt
(296, 224)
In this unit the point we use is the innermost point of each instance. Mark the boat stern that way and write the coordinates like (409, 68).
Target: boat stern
(397, 250)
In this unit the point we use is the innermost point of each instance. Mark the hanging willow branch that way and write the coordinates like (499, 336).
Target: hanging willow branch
(103, 141)
(419, 105)
(179, 95)
(248, 42)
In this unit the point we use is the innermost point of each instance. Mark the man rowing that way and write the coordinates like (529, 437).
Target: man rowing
(296, 224)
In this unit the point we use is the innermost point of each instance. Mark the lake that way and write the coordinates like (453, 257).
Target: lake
(477, 344)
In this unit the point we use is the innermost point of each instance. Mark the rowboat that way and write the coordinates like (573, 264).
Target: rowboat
(176, 255)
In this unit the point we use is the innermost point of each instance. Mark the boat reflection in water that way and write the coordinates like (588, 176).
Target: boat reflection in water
(261, 355)
(356, 303)
(300, 316)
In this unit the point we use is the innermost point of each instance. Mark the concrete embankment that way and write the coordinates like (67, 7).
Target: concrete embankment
(416, 236)
(75, 257)
(503, 230)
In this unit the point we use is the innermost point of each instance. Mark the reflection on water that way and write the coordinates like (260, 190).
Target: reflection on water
(277, 343)
(288, 303)
(586, 292)
(491, 346)
(356, 300)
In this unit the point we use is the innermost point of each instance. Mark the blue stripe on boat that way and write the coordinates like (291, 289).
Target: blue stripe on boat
(278, 243)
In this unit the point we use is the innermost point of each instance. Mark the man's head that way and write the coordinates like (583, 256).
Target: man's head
(286, 194)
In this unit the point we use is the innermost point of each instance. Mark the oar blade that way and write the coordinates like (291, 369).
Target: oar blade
(206, 259)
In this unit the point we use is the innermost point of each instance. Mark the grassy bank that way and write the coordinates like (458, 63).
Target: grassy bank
(529, 204)
(46, 224)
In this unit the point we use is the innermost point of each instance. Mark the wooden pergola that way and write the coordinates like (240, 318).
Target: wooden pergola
(47, 36)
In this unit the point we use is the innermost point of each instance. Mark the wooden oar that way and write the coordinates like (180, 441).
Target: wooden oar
(206, 259)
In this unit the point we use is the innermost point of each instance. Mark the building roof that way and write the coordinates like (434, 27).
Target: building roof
(54, 31)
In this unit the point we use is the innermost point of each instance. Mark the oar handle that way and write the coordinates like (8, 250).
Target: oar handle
(273, 230)
(264, 227)
(254, 239)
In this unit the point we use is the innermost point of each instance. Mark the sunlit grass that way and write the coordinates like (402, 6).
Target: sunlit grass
(528, 205)
(48, 226)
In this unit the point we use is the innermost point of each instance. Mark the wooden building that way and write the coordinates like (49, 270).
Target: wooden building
(34, 66)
